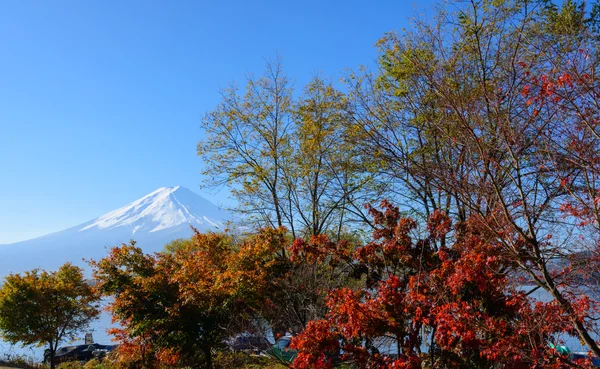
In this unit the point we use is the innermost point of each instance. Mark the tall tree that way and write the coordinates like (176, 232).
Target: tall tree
(328, 183)
(288, 161)
(247, 144)
(489, 131)
(395, 116)
(46, 308)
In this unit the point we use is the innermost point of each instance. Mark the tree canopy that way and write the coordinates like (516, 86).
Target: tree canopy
(46, 308)
(178, 307)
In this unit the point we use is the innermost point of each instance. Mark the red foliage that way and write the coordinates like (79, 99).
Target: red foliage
(461, 294)
(318, 346)
(319, 248)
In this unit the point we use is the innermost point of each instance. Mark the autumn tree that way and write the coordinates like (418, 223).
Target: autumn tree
(454, 298)
(487, 112)
(247, 145)
(287, 159)
(301, 283)
(176, 308)
(358, 317)
(328, 185)
(394, 123)
(177, 244)
(46, 308)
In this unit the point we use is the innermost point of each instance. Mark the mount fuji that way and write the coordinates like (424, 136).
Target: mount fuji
(152, 221)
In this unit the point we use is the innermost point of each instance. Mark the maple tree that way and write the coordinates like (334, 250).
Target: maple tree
(176, 308)
(454, 298)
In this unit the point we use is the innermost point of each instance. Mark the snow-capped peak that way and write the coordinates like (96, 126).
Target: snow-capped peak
(165, 208)
(152, 221)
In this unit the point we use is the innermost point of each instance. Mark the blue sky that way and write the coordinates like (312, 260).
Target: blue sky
(100, 101)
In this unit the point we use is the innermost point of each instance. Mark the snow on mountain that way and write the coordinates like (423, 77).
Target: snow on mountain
(152, 221)
(164, 208)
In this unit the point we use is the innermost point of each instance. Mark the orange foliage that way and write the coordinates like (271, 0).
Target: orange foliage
(174, 306)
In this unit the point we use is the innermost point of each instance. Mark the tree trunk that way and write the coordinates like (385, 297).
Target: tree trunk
(53, 358)
(51, 351)
(208, 358)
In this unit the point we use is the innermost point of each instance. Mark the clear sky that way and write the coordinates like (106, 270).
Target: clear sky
(100, 101)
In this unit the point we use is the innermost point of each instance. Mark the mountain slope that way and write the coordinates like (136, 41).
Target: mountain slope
(152, 221)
